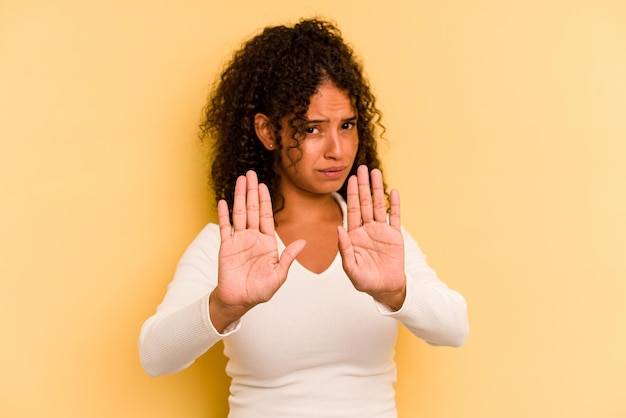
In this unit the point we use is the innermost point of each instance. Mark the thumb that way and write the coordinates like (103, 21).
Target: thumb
(291, 252)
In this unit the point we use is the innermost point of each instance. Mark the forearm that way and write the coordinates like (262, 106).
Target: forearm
(431, 310)
(171, 341)
(434, 313)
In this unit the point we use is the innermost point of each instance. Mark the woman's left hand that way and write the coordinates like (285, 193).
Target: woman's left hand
(372, 249)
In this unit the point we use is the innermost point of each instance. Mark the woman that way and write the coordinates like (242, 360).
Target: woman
(307, 274)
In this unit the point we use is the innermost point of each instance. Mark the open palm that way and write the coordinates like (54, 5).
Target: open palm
(250, 271)
(372, 248)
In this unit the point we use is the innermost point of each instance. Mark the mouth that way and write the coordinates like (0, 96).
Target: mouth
(333, 172)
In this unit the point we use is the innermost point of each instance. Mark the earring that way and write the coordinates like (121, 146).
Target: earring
(271, 145)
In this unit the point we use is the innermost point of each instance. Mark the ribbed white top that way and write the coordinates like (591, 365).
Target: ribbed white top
(318, 348)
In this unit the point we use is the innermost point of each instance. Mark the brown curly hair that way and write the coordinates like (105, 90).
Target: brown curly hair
(276, 73)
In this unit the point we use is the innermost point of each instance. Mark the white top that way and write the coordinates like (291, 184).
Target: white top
(319, 348)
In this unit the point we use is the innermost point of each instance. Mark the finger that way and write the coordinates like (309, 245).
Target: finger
(378, 193)
(365, 194)
(239, 205)
(354, 209)
(252, 200)
(394, 212)
(345, 249)
(266, 214)
(226, 229)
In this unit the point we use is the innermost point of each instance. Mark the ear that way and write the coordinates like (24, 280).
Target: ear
(264, 131)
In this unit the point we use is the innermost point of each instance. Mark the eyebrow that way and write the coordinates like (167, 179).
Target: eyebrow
(349, 119)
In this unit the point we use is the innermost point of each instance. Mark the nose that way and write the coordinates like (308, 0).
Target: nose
(333, 145)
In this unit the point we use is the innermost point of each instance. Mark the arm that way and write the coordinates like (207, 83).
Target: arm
(222, 276)
(180, 330)
(431, 310)
(381, 259)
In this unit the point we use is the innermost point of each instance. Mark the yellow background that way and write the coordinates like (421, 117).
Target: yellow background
(507, 140)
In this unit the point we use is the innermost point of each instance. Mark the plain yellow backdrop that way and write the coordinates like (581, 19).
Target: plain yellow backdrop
(507, 140)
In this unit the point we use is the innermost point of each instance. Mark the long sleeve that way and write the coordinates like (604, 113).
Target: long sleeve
(431, 310)
(180, 331)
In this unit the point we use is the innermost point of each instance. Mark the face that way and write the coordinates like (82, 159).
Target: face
(323, 160)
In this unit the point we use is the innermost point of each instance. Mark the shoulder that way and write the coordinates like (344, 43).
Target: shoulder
(210, 232)
(205, 244)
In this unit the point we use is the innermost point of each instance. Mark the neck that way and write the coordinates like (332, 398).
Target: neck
(309, 208)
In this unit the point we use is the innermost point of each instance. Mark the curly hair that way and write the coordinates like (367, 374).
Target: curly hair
(276, 73)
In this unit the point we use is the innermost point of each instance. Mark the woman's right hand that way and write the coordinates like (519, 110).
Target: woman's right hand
(249, 271)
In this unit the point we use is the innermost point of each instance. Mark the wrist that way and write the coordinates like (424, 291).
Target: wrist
(393, 300)
(222, 314)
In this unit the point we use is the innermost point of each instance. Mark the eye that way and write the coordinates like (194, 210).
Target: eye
(311, 130)
(347, 125)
